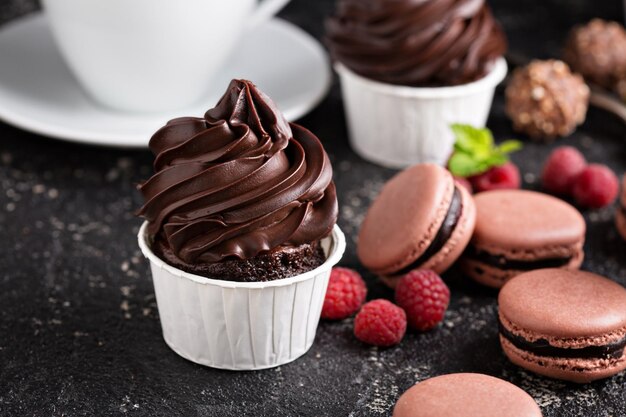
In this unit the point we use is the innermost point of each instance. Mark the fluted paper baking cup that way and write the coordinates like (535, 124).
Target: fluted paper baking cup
(240, 325)
(398, 126)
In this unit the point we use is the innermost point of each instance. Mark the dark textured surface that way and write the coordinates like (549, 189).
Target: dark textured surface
(79, 330)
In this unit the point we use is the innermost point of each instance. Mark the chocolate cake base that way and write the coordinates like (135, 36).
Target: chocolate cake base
(282, 262)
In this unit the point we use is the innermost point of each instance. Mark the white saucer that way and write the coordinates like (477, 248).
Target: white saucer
(38, 93)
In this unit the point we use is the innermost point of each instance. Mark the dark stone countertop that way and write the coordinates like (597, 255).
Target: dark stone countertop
(79, 329)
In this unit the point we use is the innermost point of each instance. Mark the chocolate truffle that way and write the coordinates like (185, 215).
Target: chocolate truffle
(545, 100)
(240, 194)
(597, 50)
(416, 43)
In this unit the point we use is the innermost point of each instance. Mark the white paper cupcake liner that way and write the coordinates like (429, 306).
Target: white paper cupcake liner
(240, 325)
(398, 126)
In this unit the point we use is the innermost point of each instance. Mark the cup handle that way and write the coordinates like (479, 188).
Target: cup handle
(264, 11)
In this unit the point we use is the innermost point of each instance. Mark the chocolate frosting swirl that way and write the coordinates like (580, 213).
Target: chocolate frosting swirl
(239, 182)
(416, 42)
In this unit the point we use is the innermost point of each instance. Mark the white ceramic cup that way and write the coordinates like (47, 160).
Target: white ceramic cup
(151, 55)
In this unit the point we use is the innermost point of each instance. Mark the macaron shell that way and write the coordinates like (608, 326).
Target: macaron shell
(455, 245)
(562, 303)
(465, 395)
(570, 369)
(532, 220)
(405, 218)
(496, 277)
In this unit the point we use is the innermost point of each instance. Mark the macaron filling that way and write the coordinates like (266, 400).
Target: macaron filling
(542, 347)
(501, 262)
(443, 234)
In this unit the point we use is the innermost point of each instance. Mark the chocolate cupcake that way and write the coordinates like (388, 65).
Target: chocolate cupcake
(431, 43)
(410, 69)
(240, 233)
(240, 194)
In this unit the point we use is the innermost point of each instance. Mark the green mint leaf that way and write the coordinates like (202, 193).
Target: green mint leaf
(463, 165)
(509, 146)
(495, 161)
(472, 135)
(464, 137)
(471, 139)
(484, 139)
(475, 151)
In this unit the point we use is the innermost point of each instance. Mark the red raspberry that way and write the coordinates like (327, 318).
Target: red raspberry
(596, 186)
(424, 296)
(345, 294)
(497, 178)
(561, 169)
(464, 182)
(380, 323)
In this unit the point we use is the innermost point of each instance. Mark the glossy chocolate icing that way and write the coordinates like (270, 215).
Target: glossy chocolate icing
(443, 234)
(541, 347)
(239, 182)
(501, 262)
(416, 42)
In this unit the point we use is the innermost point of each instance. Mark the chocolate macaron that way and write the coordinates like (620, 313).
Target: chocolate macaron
(465, 395)
(563, 324)
(620, 215)
(518, 231)
(421, 219)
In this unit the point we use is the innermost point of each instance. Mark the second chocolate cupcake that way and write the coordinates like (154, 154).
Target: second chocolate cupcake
(410, 69)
